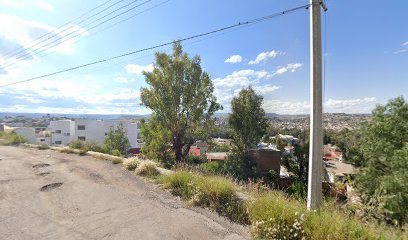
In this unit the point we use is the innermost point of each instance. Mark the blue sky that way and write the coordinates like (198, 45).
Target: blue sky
(367, 53)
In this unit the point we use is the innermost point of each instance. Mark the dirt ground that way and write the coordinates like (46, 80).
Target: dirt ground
(49, 195)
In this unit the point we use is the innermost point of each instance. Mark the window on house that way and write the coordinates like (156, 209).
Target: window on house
(58, 131)
(81, 127)
(67, 134)
(58, 142)
(42, 140)
(82, 138)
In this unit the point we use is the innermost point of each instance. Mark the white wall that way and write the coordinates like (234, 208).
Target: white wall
(67, 131)
(27, 132)
(95, 130)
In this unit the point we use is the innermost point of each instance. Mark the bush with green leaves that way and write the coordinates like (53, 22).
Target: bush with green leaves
(7, 138)
(196, 160)
(297, 190)
(212, 167)
(86, 146)
(383, 179)
(116, 142)
(217, 193)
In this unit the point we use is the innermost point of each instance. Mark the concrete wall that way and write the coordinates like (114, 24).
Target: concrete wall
(94, 130)
(67, 131)
(266, 160)
(28, 133)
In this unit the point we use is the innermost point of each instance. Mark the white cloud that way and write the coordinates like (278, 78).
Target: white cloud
(22, 32)
(286, 107)
(405, 43)
(228, 87)
(121, 80)
(138, 69)
(359, 105)
(262, 57)
(234, 59)
(349, 103)
(290, 67)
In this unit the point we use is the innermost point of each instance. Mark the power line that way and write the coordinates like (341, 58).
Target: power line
(58, 41)
(252, 21)
(55, 31)
(106, 28)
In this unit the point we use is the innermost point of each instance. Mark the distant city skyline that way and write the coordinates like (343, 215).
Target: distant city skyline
(366, 54)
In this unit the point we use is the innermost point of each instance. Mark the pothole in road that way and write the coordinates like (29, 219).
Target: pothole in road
(41, 165)
(43, 174)
(50, 186)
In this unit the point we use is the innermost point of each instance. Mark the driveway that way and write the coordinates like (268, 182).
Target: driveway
(49, 195)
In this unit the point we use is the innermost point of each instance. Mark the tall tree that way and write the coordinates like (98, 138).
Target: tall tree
(248, 124)
(384, 147)
(181, 98)
(247, 120)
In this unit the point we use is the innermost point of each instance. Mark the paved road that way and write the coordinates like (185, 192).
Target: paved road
(93, 199)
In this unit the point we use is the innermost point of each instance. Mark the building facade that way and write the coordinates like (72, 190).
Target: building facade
(65, 131)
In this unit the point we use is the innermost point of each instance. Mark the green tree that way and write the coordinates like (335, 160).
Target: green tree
(116, 141)
(181, 98)
(156, 141)
(247, 120)
(248, 124)
(384, 148)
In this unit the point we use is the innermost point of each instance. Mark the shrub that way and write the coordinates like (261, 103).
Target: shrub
(216, 193)
(219, 194)
(147, 169)
(117, 161)
(77, 144)
(131, 164)
(274, 216)
(116, 152)
(43, 147)
(211, 167)
(180, 184)
(11, 138)
(93, 146)
(66, 150)
(196, 159)
(298, 190)
(85, 146)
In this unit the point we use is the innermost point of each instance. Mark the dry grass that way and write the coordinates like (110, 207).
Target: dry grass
(131, 164)
(147, 169)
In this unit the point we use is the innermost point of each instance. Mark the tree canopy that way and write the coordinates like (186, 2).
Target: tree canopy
(180, 95)
(383, 180)
(247, 120)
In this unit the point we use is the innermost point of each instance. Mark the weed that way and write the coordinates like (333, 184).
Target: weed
(147, 169)
(117, 161)
(131, 164)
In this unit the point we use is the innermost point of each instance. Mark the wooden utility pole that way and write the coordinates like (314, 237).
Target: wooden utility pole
(314, 191)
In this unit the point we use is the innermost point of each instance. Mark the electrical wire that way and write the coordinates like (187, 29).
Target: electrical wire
(58, 41)
(58, 30)
(101, 30)
(253, 21)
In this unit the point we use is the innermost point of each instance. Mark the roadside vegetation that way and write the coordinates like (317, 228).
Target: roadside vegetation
(272, 214)
(7, 138)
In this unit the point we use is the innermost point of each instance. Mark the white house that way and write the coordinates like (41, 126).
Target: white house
(65, 131)
(62, 132)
